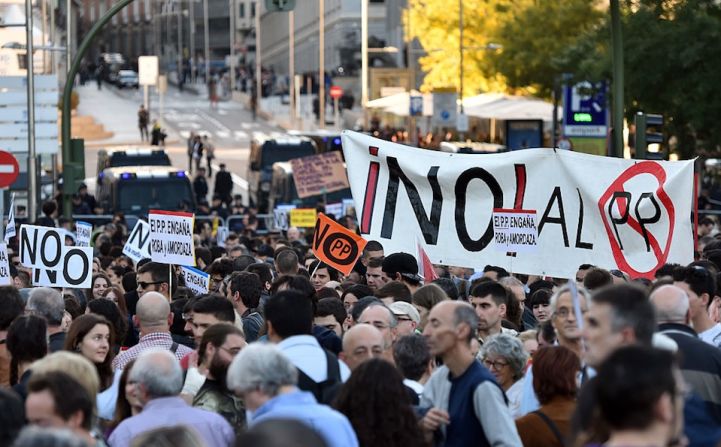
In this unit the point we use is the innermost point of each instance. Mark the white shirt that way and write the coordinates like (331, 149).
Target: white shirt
(514, 394)
(107, 399)
(712, 336)
(415, 386)
(306, 354)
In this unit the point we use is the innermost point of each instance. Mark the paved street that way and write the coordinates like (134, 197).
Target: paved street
(230, 126)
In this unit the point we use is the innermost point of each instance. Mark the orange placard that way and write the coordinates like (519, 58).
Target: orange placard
(336, 245)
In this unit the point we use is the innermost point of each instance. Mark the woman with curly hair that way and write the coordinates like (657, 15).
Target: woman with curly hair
(378, 406)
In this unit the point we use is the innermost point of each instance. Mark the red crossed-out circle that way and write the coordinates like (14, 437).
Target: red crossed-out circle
(644, 167)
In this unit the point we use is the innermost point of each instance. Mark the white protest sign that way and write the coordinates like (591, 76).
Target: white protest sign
(138, 245)
(55, 264)
(334, 209)
(76, 271)
(631, 215)
(515, 230)
(83, 230)
(281, 216)
(196, 280)
(10, 229)
(221, 235)
(171, 237)
(5, 278)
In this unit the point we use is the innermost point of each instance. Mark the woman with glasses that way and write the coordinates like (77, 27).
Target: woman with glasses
(506, 359)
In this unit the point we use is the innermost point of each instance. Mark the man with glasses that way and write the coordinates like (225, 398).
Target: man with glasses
(407, 316)
(380, 316)
(155, 277)
(700, 286)
(218, 347)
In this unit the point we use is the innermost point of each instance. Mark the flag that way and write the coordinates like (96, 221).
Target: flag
(10, 229)
(425, 265)
(335, 245)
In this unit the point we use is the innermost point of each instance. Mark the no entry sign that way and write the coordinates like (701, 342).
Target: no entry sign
(9, 169)
(336, 92)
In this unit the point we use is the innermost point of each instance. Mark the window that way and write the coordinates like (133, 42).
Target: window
(241, 10)
(252, 9)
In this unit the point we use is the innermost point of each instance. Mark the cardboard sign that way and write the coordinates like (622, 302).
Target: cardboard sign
(281, 217)
(336, 245)
(631, 215)
(55, 264)
(515, 230)
(319, 174)
(171, 237)
(302, 217)
(10, 229)
(138, 245)
(196, 280)
(5, 278)
(83, 230)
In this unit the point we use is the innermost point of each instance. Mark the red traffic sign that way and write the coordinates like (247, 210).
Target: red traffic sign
(336, 92)
(9, 169)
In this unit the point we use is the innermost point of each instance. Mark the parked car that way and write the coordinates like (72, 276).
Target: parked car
(127, 78)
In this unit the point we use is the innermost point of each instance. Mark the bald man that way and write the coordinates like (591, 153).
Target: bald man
(700, 362)
(153, 318)
(360, 343)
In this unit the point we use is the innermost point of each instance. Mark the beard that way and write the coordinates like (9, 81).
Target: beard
(218, 368)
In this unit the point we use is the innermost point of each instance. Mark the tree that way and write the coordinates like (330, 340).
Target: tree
(535, 38)
(435, 23)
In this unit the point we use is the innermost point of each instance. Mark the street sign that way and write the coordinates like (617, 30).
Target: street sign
(416, 106)
(147, 70)
(444, 109)
(279, 5)
(9, 169)
(336, 92)
(462, 122)
(584, 110)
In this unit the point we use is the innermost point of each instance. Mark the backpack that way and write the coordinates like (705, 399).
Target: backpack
(326, 390)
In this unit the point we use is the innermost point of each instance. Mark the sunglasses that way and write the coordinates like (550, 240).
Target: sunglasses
(144, 285)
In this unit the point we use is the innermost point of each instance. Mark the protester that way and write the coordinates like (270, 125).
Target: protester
(321, 274)
(554, 381)
(425, 298)
(382, 318)
(375, 277)
(266, 380)
(376, 402)
(100, 282)
(12, 416)
(27, 342)
(281, 433)
(540, 303)
(154, 319)
(700, 286)
(506, 359)
(155, 277)
(217, 348)
(11, 307)
(158, 379)
(490, 301)
(465, 403)
(49, 304)
(403, 267)
(244, 292)
(127, 404)
(362, 342)
(413, 359)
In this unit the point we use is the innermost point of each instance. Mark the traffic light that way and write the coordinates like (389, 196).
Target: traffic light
(279, 5)
(649, 130)
(74, 170)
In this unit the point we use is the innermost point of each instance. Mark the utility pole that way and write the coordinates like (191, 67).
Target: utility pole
(180, 40)
(32, 159)
(617, 38)
(68, 37)
(258, 67)
(321, 63)
(191, 20)
(291, 65)
(206, 39)
(364, 61)
(232, 46)
(412, 133)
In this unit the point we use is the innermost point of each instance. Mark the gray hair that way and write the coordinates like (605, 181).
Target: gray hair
(465, 314)
(674, 308)
(567, 289)
(510, 349)
(34, 436)
(262, 367)
(47, 303)
(510, 281)
(159, 372)
(393, 321)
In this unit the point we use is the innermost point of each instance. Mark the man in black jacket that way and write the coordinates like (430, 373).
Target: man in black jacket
(200, 186)
(223, 185)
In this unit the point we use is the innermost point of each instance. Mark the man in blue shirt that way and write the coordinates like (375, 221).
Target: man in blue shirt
(266, 380)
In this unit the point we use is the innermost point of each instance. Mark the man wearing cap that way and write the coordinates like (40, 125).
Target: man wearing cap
(403, 267)
(407, 316)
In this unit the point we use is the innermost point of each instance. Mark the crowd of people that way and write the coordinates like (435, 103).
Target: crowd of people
(284, 350)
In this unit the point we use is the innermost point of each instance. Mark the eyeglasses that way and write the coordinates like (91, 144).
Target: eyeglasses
(494, 364)
(232, 351)
(564, 312)
(144, 285)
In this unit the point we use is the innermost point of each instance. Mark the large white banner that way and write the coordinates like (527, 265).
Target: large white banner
(621, 214)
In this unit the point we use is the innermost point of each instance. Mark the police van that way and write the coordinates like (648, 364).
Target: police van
(121, 156)
(135, 190)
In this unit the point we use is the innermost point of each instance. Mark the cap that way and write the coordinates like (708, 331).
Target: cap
(403, 308)
(402, 263)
